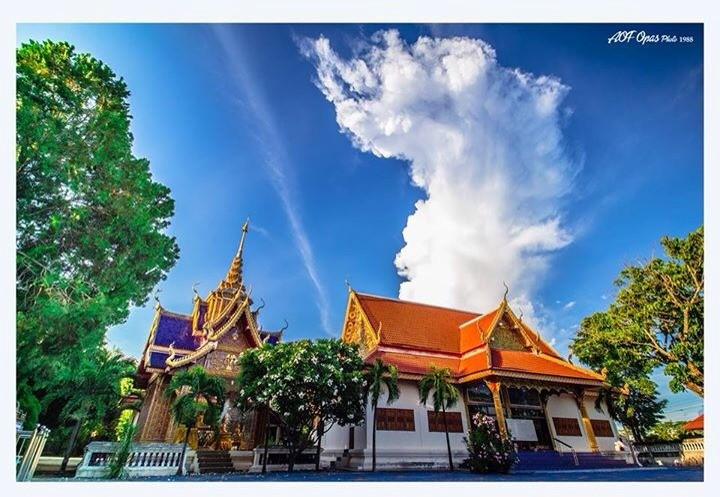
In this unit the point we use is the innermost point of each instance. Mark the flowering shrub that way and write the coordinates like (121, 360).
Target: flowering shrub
(489, 451)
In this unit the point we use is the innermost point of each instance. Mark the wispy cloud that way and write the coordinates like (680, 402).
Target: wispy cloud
(276, 160)
(569, 305)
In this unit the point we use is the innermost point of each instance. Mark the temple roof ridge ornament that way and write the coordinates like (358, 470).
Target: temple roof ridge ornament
(156, 293)
(233, 278)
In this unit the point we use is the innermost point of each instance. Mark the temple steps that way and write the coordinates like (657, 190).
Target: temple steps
(550, 459)
(214, 461)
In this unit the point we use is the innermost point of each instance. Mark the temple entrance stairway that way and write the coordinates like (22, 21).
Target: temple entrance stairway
(550, 459)
(214, 461)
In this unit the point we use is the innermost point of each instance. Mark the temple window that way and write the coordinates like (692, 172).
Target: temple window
(395, 419)
(567, 427)
(437, 424)
(602, 428)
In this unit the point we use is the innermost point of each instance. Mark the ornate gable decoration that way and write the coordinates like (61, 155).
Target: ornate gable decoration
(357, 327)
(507, 332)
(504, 336)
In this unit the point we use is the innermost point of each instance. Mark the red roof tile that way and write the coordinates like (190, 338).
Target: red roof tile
(421, 326)
(529, 362)
(695, 424)
(412, 333)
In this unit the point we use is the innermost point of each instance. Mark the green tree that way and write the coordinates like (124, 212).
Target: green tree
(632, 398)
(666, 431)
(656, 319)
(89, 390)
(379, 377)
(90, 233)
(308, 385)
(635, 405)
(198, 394)
(444, 396)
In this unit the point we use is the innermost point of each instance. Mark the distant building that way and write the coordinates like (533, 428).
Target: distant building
(502, 368)
(219, 328)
(696, 424)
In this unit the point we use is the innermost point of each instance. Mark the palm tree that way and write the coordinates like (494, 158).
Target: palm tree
(379, 374)
(198, 394)
(93, 388)
(445, 396)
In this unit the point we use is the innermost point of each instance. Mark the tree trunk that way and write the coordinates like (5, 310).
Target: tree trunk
(182, 454)
(447, 438)
(320, 428)
(373, 436)
(267, 438)
(71, 445)
(291, 459)
(640, 439)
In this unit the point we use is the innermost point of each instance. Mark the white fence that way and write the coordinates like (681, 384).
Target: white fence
(29, 445)
(689, 452)
(145, 459)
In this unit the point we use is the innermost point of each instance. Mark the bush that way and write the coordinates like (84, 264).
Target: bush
(489, 451)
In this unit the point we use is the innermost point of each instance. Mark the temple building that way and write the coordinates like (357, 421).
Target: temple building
(502, 368)
(219, 328)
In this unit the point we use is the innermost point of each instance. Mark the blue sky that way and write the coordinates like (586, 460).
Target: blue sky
(233, 120)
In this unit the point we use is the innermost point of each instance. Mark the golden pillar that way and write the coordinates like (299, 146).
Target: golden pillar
(494, 387)
(580, 399)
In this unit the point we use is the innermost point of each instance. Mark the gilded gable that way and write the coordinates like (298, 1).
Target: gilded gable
(506, 336)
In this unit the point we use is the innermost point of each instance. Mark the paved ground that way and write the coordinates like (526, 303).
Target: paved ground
(629, 474)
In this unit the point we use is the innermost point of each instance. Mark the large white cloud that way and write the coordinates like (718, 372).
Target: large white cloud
(483, 141)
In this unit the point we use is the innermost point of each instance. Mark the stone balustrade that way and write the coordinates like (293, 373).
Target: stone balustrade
(145, 459)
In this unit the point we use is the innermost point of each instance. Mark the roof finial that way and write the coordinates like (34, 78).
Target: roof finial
(155, 296)
(506, 292)
(261, 306)
(194, 288)
(245, 228)
(347, 284)
(284, 327)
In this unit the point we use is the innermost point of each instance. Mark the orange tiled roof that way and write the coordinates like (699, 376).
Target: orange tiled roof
(695, 424)
(529, 362)
(421, 326)
(414, 336)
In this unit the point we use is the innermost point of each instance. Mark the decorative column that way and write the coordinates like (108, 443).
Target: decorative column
(494, 387)
(580, 399)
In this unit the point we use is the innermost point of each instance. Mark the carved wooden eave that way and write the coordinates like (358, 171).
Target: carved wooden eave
(357, 328)
(518, 376)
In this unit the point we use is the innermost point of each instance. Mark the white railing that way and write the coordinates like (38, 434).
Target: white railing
(29, 445)
(145, 459)
(692, 451)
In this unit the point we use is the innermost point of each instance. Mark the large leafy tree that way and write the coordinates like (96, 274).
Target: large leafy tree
(380, 378)
(656, 319)
(90, 219)
(444, 396)
(197, 394)
(308, 385)
(632, 396)
(90, 390)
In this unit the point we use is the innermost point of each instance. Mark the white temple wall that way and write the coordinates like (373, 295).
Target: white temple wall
(564, 406)
(421, 438)
(604, 443)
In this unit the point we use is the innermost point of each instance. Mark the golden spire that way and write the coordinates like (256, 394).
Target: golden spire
(234, 275)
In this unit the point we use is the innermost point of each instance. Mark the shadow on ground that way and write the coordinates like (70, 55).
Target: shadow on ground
(629, 474)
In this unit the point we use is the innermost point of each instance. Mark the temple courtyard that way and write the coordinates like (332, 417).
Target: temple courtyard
(612, 475)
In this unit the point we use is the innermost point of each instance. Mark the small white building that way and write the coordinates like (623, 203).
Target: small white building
(500, 365)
